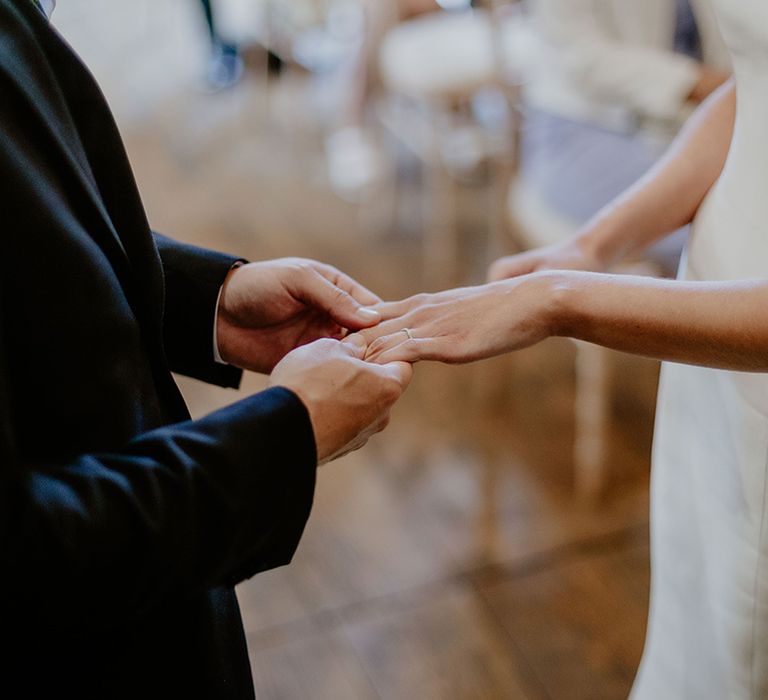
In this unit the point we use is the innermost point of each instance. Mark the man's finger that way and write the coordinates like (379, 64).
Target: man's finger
(394, 309)
(318, 291)
(357, 291)
(328, 347)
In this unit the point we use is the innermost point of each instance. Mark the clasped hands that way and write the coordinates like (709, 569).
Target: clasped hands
(346, 353)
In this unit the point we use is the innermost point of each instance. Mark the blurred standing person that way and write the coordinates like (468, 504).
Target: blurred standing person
(354, 159)
(225, 65)
(612, 83)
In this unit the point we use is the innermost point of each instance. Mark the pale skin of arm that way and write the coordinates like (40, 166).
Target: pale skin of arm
(716, 324)
(710, 79)
(666, 199)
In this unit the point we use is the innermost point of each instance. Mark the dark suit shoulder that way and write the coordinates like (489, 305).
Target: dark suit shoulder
(23, 34)
(34, 106)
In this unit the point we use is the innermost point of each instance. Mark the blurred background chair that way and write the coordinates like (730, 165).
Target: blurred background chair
(451, 96)
(536, 225)
(439, 81)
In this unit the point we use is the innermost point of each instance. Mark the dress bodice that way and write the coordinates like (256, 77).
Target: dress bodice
(744, 25)
(730, 240)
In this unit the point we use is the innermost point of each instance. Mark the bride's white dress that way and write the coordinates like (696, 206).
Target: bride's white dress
(708, 628)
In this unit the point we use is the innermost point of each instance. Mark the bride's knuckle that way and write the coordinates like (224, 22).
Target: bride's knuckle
(376, 345)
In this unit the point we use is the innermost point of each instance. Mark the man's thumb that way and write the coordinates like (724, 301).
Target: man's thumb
(340, 305)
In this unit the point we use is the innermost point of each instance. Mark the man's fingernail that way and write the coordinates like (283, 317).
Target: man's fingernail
(368, 314)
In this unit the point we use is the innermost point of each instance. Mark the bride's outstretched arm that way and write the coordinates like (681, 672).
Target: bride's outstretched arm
(716, 324)
(666, 199)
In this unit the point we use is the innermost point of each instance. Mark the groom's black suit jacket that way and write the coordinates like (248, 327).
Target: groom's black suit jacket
(123, 525)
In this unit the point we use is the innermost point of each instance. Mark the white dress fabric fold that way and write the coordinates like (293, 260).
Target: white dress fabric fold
(708, 627)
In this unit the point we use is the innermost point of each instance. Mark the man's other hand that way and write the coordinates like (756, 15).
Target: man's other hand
(348, 399)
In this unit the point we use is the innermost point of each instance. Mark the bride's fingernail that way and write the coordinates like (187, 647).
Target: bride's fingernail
(368, 314)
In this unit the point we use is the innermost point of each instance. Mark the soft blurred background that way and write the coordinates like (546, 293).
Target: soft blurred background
(493, 542)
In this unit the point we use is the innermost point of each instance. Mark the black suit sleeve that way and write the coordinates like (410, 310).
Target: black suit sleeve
(178, 510)
(193, 278)
(98, 539)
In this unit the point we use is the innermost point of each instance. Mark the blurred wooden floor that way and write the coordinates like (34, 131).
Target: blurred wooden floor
(447, 560)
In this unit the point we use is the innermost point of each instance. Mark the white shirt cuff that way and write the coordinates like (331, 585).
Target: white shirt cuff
(216, 354)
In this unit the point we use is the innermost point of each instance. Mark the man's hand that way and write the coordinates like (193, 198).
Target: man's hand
(348, 399)
(269, 308)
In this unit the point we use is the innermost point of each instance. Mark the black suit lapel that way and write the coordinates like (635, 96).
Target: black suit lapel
(37, 88)
(78, 177)
(76, 119)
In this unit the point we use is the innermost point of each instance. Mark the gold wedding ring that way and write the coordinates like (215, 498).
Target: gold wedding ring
(408, 332)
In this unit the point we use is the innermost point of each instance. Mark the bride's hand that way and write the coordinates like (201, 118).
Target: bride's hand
(464, 325)
(571, 254)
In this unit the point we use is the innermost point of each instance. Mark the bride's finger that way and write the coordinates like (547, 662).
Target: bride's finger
(417, 350)
(382, 344)
(384, 329)
(400, 348)
(395, 309)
